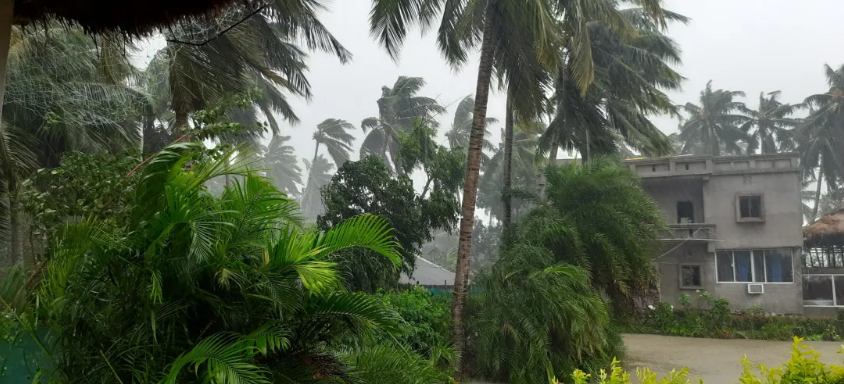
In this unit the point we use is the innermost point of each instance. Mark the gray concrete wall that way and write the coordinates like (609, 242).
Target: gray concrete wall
(715, 198)
(778, 297)
(782, 225)
(667, 192)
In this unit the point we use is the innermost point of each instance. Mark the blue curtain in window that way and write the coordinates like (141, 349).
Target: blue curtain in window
(774, 262)
(743, 268)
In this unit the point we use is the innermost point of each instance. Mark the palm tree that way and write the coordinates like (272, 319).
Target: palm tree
(525, 170)
(461, 125)
(201, 65)
(236, 290)
(334, 135)
(398, 107)
(283, 166)
(820, 139)
(714, 124)
(319, 174)
(634, 71)
(514, 36)
(770, 126)
(62, 94)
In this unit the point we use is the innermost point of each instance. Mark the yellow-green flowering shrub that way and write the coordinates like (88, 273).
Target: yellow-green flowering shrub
(804, 366)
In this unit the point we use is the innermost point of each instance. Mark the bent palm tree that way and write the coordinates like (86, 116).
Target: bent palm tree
(634, 71)
(714, 124)
(820, 139)
(61, 95)
(200, 66)
(283, 166)
(504, 30)
(398, 107)
(770, 126)
(461, 126)
(319, 174)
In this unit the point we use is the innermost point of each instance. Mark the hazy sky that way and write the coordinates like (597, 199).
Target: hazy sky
(749, 45)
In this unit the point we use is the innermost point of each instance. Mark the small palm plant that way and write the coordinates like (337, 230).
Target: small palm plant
(226, 289)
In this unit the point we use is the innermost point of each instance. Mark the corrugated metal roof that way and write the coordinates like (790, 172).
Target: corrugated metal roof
(428, 274)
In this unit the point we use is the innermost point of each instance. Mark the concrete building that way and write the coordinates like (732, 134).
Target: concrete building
(734, 228)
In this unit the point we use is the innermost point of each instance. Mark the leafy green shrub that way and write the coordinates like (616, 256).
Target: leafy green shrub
(718, 321)
(803, 367)
(521, 328)
(427, 322)
(719, 314)
(755, 310)
(204, 288)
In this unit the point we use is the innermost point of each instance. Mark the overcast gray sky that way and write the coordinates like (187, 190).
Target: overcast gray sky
(749, 45)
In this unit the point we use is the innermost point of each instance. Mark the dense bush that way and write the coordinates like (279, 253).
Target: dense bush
(228, 289)
(426, 326)
(804, 366)
(712, 317)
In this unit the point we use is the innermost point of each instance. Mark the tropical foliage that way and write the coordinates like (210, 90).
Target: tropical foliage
(369, 187)
(398, 108)
(234, 288)
(597, 216)
(712, 127)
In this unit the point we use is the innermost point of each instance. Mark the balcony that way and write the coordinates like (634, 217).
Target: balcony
(688, 232)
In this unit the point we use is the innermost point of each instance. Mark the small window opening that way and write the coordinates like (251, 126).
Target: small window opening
(685, 212)
(750, 207)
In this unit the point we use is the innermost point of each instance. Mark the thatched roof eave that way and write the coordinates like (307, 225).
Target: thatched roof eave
(127, 17)
(826, 231)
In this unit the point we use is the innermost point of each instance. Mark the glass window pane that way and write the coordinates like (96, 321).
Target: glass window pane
(724, 259)
(742, 264)
(759, 266)
(778, 263)
(744, 206)
(817, 290)
(839, 290)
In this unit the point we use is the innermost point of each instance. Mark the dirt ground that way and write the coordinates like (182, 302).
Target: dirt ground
(713, 360)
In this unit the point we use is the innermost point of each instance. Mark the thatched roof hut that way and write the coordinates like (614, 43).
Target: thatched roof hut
(823, 241)
(132, 17)
(128, 17)
(826, 231)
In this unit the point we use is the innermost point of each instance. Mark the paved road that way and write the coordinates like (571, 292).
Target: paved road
(713, 360)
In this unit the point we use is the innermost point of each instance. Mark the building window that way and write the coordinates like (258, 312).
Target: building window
(750, 208)
(823, 290)
(690, 276)
(755, 266)
(685, 212)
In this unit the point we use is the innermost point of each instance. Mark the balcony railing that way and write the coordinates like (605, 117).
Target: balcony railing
(688, 232)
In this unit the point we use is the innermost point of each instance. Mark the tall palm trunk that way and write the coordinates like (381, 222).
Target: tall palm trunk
(552, 160)
(309, 184)
(508, 170)
(15, 240)
(818, 194)
(181, 124)
(470, 192)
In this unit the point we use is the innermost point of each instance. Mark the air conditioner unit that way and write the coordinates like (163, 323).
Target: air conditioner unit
(755, 289)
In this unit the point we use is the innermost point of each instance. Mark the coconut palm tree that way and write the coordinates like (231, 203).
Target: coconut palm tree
(334, 135)
(283, 165)
(201, 65)
(820, 139)
(319, 174)
(770, 125)
(513, 35)
(714, 124)
(461, 125)
(634, 71)
(398, 107)
(64, 92)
